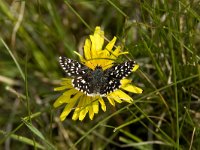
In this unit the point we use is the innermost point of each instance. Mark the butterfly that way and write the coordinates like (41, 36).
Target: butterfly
(98, 81)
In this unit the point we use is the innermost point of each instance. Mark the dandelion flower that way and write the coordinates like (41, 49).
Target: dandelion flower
(95, 79)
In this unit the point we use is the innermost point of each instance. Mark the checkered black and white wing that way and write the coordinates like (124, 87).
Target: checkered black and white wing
(85, 86)
(81, 84)
(115, 74)
(110, 86)
(72, 67)
(120, 71)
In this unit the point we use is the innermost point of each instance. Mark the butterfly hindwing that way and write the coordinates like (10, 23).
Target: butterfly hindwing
(110, 86)
(81, 84)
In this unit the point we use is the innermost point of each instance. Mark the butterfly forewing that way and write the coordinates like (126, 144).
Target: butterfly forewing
(72, 67)
(120, 71)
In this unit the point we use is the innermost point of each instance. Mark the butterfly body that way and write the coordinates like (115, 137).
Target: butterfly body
(98, 81)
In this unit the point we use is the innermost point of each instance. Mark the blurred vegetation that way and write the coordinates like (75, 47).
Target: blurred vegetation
(162, 36)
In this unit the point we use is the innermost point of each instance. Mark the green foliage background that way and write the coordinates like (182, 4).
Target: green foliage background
(162, 36)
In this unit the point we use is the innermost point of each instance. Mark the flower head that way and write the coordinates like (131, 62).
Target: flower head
(95, 56)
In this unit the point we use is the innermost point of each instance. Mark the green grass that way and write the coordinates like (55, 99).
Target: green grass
(162, 36)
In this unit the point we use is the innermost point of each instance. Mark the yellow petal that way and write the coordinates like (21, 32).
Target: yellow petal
(114, 97)
(76, 114)
(135, 68)
(115, 53)
(110, 45)
(60, 88)
(94, 48)
(65, 98)
(67, 110)
(66, 81)
(91, 107)
(91, 113)
(118, 94)
(103, 56)
(95, 106)
(78, 108)
(112, 102)
(62, 99)
(97, 39)
(124, 82)
(83, 114)
(132, 88)
(70, 92)
(87, 49)
(122, 53)
(84, 108)
(76, 97)
(103, 106)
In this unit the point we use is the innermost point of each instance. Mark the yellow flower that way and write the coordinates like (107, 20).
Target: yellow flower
(94, 55)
